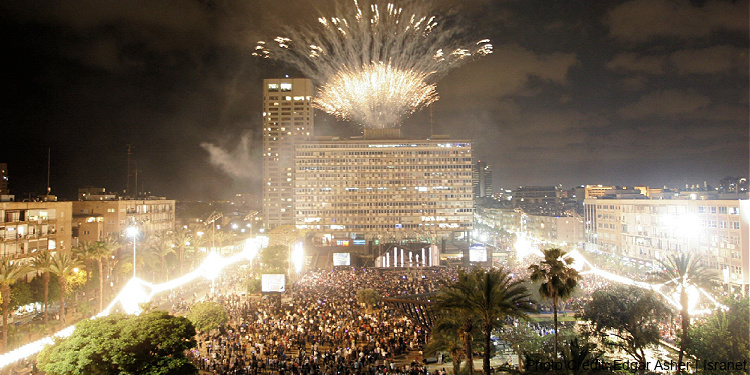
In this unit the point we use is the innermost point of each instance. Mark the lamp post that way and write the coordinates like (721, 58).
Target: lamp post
(133, 232)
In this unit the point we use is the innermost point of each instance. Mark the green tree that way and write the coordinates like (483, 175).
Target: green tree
(558, 279)
(447, 335)
(161, 248)
(41, 263)
(152, 343)
(87, 252)
(678, 272)
(106, 249)
(722, 336)
(274, 258)
(368, 297)
(629, 314)
(206, 316)
(522, 339)
(181, 237)
(10, 272)
(490, 296)
(286, 235)
(196, 243)
(63, 265)
(20, 294)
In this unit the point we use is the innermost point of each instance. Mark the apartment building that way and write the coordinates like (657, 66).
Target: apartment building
(95, 220)
(648, 230)
(28, 227)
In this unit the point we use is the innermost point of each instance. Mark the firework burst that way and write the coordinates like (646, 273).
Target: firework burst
(376, 62)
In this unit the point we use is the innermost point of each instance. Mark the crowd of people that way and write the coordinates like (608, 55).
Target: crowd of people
(321, 329)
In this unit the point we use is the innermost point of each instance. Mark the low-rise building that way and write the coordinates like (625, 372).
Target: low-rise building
(28, 227)
(98, 219)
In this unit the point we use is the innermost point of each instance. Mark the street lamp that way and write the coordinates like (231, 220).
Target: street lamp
(133, 232)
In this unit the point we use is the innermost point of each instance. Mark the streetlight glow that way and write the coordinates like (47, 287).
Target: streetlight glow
(133, 232)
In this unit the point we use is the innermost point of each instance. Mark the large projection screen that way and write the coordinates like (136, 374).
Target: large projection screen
(341, 259)
(273, 283)
(477, 253)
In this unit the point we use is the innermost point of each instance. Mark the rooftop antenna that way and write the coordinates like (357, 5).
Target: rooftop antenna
(49, 189)
(127, 186)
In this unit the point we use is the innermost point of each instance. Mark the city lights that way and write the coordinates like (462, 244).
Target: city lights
(694, 293)
(137, 292)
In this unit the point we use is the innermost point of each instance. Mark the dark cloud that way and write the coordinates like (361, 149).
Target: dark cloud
(711, 60)
(641, 20)
(629, 92)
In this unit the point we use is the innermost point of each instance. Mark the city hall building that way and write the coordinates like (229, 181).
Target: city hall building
(380, 186)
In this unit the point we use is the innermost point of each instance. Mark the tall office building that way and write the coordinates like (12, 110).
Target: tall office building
(384, 187)
(482, 179)
(4, 179)
(287, 119)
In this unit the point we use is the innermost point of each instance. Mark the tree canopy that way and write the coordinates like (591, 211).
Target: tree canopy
(152, 343)
(722, 336)
(207, 315)
(627, 317)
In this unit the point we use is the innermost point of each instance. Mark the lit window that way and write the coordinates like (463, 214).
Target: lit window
(273, 87)
(286, 87)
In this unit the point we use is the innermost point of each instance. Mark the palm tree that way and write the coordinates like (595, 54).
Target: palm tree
(680, 271)
(161, 247)
(41, 263)
(181, 236)
(62, 266)
(87, 252)
(447, 335)
(10, 271)
(197, 242)
(559, 279)
(107, 248)
(489, 296)
(220, 238)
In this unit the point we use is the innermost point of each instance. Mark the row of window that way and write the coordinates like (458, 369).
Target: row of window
(389, 145)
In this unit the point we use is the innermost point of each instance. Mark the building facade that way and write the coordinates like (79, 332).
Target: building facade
(287, 118)
(28, 227)
(648, 230)
(96, 220)
(4, 179)
(384, 188)
(482, 179)
(561, 231)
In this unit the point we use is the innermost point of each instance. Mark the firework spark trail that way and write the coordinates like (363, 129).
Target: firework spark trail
(376, 62)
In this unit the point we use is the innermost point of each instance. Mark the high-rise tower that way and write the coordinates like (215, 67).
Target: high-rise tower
(287, 118)
(4, 179)
(482, 179)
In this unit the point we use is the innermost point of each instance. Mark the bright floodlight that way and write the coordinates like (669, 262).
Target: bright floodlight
(524, 248)
(212, 266)
(131, 231)
(132, 296)
(298, 257)
(251, 247)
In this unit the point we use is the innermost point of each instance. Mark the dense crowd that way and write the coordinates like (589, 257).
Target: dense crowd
(322, 329)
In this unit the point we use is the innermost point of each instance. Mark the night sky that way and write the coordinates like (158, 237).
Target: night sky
(640, 92)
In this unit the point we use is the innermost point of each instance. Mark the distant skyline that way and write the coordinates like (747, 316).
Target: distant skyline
(637, 92)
